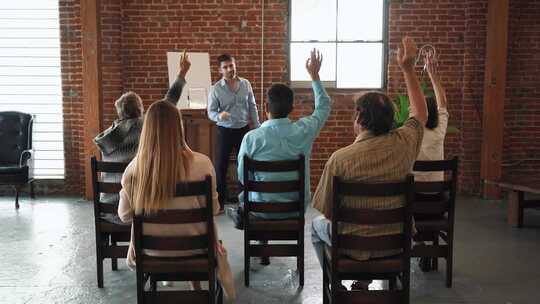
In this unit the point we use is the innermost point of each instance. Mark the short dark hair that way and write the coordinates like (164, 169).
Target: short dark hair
(280, 100)
(375, 113)
(224, 57)
(433, 113)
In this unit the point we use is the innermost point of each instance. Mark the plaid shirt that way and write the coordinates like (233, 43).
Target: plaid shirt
(371, 159)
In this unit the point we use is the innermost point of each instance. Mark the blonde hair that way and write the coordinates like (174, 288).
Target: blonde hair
(162, 158)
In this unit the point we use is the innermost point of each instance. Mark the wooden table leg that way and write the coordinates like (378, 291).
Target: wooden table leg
(513, 208)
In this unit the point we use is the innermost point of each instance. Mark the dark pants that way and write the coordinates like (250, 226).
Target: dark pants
(227, 140)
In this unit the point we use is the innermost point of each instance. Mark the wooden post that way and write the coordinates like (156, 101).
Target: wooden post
(91, 77)
(494, 89)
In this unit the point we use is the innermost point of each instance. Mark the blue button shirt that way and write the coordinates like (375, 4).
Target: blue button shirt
(240, 104)
(282, 139)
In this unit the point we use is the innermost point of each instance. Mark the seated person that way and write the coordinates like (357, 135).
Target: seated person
(120, 141)
(164, 159)
(279, 138)
(379, 154)
(433, 142)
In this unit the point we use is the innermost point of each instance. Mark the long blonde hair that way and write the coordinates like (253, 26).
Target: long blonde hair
(162, 158)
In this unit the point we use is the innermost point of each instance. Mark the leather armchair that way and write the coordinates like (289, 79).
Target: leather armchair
(16, 167)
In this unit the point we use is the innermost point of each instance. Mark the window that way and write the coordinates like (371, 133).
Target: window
(351, 34)
(30, 79)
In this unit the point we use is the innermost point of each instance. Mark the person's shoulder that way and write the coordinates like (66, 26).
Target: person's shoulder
(201, 158)
(244, 80)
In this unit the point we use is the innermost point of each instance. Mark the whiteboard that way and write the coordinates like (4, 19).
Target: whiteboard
(195, 92)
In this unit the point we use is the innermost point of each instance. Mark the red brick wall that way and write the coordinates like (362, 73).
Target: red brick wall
(137, 34)
(521, 155)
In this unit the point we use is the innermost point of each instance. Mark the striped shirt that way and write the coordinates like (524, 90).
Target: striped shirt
(371, 159)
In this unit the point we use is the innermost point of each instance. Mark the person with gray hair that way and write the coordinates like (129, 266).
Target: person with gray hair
(119, 142)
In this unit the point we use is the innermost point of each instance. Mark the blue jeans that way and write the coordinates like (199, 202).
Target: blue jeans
(321, 231)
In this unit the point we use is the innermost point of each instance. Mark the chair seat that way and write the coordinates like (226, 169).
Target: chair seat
(13, 174)
(175, 264)
(435, 224)
(393, 264)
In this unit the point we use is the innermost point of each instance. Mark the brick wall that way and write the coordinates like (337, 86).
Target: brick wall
(521, 155)
(137, 34)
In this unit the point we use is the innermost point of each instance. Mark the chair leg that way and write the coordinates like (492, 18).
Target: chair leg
(220, 294)
(99, 265)
(153, 283)
(300, 262)
(114, 261)
(17, 190)
(325, 283)
(392, 283)
(435, 260)
(450, 261)
(246, 257)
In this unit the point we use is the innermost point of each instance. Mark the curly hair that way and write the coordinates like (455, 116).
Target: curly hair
(375, 113)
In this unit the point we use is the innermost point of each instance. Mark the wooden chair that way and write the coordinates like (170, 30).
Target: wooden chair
(194, 268)
(108, 234)
(434, 214)
(274, 230)
(338, 267)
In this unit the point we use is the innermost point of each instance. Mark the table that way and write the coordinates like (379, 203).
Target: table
(516, 197)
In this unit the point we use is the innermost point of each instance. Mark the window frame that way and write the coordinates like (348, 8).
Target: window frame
(333, 84)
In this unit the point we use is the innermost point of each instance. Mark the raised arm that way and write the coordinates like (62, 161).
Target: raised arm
(440, 94)
(175, 91)
(406, 56)
(316, 121)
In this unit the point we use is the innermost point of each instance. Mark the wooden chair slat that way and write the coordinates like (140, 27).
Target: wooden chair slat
(429, 251)
(110, 167)
(385, 242)
(434, 166)
(430, 207)
(175, 266)
(108, 187)
(432, 186)
(175, 243)
(349, 188)
(273, 250)
(106, 227)
(276, 207)
(272, 166)
(191, 189)
(119, 252)
(274, 235)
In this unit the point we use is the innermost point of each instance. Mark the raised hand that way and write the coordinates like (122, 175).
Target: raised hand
(313, 64)
(184, 64)
(406, 53)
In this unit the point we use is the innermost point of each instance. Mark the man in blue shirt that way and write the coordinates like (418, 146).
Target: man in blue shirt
(279, 138)
(231, 104)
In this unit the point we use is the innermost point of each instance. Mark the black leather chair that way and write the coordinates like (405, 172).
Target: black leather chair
(16, 151)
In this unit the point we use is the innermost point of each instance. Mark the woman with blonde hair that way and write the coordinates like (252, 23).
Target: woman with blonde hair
(149, 182)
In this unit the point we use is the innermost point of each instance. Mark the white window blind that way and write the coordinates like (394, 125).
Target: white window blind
(30, 79)
(349, 33)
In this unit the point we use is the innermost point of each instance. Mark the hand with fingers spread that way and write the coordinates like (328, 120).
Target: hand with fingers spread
(184, 64)
(406, 54)
(313, 64)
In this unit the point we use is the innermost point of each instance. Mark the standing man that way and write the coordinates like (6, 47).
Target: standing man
(231, 104)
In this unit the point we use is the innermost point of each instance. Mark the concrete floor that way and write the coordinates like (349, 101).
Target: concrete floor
(47, 256)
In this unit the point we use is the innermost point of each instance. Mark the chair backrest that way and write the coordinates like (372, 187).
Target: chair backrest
(15, 136)
(101, 187)
(371, 217)
(177, 216)
(449, 186)
(251, 166)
